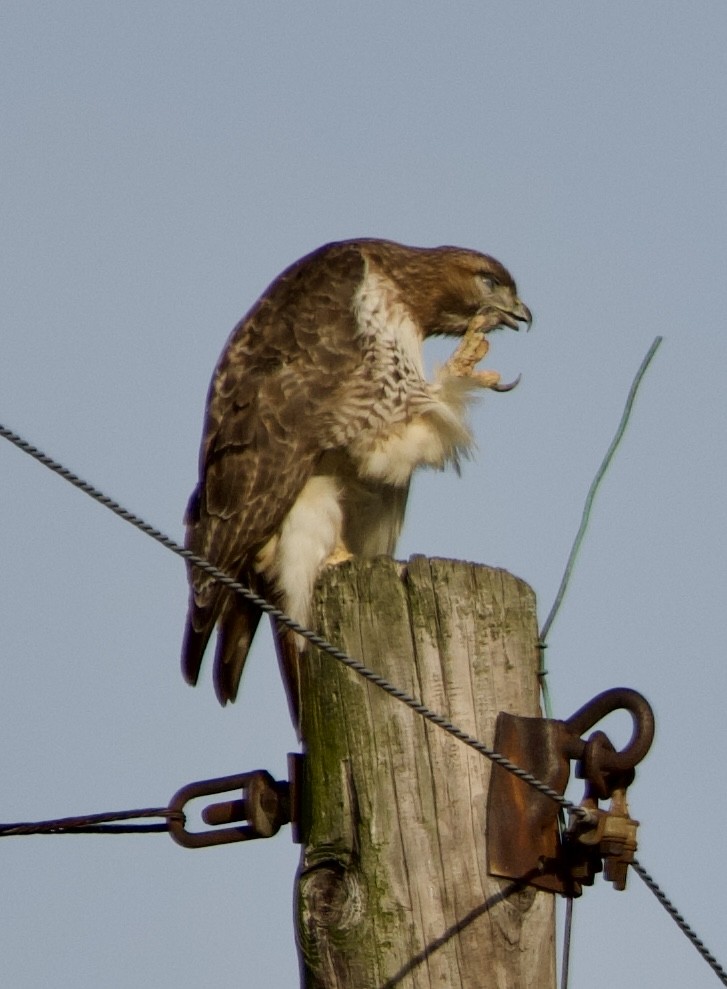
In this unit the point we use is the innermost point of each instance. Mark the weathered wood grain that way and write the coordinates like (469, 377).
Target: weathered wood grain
(393, 887)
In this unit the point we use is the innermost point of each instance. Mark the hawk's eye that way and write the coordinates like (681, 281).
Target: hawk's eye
(488, 282)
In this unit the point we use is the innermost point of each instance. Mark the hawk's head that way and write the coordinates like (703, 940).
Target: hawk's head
(447, 286)
(468, 284)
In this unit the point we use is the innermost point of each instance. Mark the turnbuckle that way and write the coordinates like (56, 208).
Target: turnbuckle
(524, 839)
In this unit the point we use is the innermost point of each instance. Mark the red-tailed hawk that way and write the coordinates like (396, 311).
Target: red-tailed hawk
(317, 416)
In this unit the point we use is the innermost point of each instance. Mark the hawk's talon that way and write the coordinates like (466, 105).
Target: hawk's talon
(339, 555)
(507, 387)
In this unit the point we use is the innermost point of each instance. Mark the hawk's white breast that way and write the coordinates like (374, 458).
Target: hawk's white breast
(414, 422)
(386, 323)
(390, 421)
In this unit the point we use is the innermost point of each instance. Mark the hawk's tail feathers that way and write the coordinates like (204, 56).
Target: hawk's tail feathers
(238, 623)
(238, 619)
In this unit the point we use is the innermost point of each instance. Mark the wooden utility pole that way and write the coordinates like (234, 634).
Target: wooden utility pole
(393, 889)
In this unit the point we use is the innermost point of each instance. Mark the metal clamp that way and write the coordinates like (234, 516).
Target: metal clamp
(265, 805)
(523, 834)
(611, 833)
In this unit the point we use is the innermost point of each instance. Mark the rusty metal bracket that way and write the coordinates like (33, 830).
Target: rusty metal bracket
(524, 838)
(265, 805)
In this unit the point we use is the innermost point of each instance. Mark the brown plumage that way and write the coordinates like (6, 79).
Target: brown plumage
(317, 415)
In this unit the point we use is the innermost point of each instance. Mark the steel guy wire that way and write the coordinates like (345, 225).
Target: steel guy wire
(332, 650)
(679, 920)
(353, 664)
(234, 585)
(95, 823)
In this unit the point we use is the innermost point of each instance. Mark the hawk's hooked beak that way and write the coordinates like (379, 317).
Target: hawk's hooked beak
(519, 313)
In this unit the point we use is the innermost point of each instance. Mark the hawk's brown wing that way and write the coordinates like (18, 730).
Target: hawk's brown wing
(269, 406)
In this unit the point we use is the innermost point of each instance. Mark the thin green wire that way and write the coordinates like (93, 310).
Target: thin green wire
(585, 519)
(575, 548)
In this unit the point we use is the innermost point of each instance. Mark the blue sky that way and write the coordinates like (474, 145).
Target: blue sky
(161, 163)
